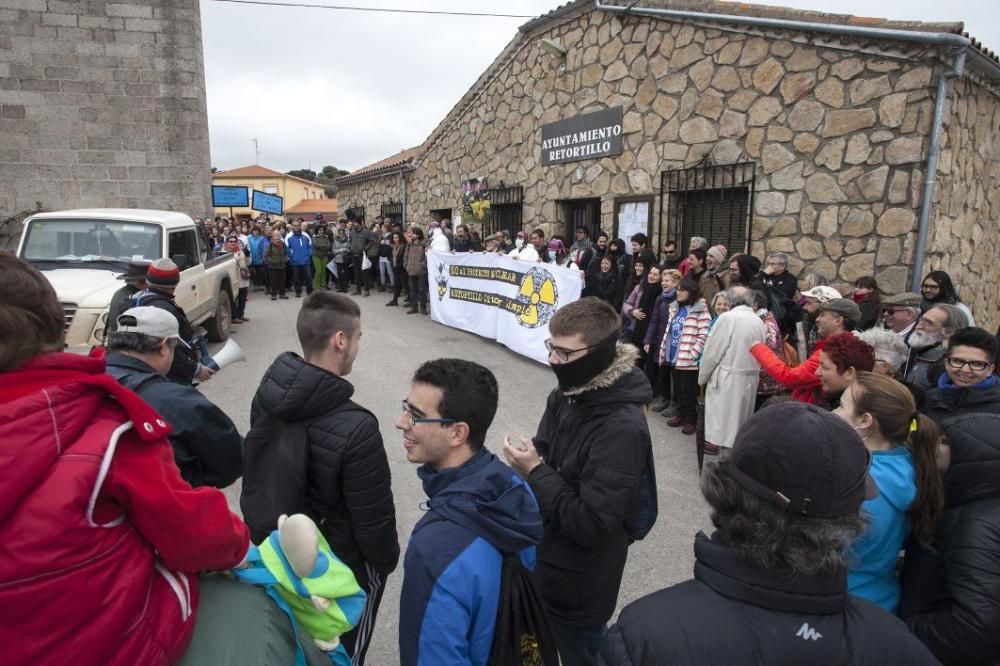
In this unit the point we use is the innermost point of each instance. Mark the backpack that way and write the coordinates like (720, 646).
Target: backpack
(522, 635)
(642, 513)
(276, 474)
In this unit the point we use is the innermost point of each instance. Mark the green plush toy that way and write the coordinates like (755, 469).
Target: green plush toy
(300, 572)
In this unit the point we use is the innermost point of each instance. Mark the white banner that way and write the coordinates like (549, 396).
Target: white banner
(500, 298)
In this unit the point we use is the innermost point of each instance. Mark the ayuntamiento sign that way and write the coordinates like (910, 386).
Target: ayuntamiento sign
(586, 137)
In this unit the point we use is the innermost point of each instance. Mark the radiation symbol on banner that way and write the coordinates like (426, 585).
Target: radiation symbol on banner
(539, 292)
(442, 282)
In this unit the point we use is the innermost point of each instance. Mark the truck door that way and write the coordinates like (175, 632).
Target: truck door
(182, 248)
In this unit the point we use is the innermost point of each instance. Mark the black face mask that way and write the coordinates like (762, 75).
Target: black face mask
(575, 374)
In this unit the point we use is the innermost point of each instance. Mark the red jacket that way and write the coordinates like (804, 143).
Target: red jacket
(100, 538)
(801, 379)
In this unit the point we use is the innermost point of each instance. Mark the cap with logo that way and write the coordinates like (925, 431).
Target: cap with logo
(907, 299)
(163, 273)
(842, 306)
(803, 459)
(822, 293)
(154, 322)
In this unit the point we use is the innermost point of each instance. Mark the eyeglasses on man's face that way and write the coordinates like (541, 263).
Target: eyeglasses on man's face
(562, 353)
(956, 363)
(416, 419)
(928, 286)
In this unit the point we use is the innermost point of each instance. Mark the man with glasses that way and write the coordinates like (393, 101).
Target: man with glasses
(306, 401)
(928, 342)
(969, 385)
(900, 313)
(584, 465)
(477, 511)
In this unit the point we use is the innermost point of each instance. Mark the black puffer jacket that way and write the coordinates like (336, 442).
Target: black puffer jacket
(948, 401)
(350, 493)
(951, 595)
(735, 613)
(595, 443)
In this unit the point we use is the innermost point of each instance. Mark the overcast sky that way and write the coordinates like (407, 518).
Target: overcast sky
(318, 87)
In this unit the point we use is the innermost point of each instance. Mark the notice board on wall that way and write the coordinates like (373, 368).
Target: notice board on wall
(632, 217)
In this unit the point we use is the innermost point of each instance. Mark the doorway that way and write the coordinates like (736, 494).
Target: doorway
(578, 213)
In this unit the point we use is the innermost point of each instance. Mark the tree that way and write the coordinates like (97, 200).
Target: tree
(331, 172)
(306, 174)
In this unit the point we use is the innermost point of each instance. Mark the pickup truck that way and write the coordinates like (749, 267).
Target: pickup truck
(82, 253)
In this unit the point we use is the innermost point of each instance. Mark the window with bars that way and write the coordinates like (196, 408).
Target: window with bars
(712, 201)
(505, 211)
(356, 213)
(392, 212)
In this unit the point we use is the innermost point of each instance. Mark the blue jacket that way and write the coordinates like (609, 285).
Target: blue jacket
(872, 575)
(299, 249)
(258, 250)
(451, 579)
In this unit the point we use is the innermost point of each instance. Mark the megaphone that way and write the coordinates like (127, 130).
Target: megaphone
(229, 354)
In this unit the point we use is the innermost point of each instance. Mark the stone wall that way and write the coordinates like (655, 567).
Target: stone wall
(964, 237)
(102, 104)
(371, 194)
(838, 132)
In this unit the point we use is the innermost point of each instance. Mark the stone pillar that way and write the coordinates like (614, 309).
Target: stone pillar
(102, 104)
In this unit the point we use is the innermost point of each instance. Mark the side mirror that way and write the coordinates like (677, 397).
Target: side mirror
(181, 260)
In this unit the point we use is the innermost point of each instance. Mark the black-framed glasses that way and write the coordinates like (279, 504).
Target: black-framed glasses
(417, 420)
(930, 287)
(959, 363)
(562, 353)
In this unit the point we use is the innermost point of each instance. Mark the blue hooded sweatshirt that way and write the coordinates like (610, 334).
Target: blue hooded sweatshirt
(451, 572)
(299, 249)
(872, 575)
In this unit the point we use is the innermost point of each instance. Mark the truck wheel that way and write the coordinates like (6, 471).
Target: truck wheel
(218, 326)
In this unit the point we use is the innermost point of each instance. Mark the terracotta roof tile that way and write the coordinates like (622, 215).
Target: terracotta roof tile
(313, 206)
(397, 160)
(258, 171)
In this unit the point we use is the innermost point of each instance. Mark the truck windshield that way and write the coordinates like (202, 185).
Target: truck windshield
(91, 241)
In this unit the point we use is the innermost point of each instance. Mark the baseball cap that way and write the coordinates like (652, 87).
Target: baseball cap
(803, 459)
(842, 306)
(822, 293)
(907, 299)
(154, 322)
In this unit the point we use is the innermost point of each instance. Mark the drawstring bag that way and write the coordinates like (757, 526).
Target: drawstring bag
(522, 635)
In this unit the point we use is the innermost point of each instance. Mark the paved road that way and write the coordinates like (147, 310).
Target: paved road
(392, 346)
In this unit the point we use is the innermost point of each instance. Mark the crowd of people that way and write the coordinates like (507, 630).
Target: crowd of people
(855, 494)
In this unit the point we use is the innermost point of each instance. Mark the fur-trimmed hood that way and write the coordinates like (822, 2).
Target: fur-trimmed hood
(623, 375)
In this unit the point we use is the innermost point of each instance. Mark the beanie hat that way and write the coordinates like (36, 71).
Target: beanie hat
(717, 252)
(163, 273)
(556, 245)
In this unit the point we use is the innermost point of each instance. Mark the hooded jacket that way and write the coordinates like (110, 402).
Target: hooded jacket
(207, 447)
(595, 442)
(452, 570)
(349, 484)
(299, 248)
(948, 400)
(735, 613)
(951, 595)
(872, 574)
(102, 539)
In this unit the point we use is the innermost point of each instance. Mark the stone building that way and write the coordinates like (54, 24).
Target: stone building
(102, 104)
(774, 130)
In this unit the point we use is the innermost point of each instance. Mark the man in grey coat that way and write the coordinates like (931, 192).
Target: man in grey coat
(361, 240)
